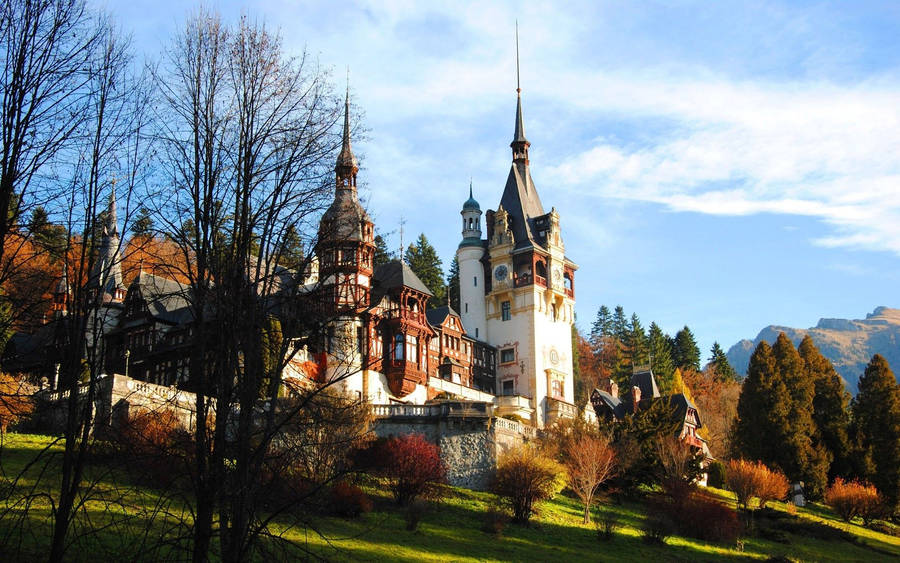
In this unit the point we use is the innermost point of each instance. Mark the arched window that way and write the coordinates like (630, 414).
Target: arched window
(541, 269)
(567, 281)
(398, 346)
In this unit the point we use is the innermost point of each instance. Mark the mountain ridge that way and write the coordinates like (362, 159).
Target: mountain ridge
(848, 343)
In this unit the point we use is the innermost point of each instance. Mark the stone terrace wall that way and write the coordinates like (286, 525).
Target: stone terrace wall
(469, 436)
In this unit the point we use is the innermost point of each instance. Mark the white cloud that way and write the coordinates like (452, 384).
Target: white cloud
(812, 149)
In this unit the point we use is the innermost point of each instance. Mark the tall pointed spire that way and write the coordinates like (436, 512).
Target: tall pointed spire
(112, 219)
(519, 143)
(347, 166)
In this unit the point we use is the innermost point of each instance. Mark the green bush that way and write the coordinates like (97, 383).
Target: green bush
(716, 474)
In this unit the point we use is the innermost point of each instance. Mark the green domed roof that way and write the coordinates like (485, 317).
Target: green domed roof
(471, 203)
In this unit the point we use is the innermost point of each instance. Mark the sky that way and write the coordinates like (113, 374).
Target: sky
(721, 165)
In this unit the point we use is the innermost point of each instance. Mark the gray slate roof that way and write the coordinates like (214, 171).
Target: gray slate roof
(438, 315)
(646, 382)
(520, 200)
(166, 299)
(396, 274)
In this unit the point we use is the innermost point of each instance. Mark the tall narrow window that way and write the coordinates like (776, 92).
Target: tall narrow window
(467, 307)
(398, 346)
(506, 311)
(412, 349)
(475, 281)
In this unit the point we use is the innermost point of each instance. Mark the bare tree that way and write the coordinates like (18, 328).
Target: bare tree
(590, 461)
(250, 137)
(111, 131)
(679, 464)
(47, 47)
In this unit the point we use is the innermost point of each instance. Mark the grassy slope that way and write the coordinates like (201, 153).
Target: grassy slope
(450, 532)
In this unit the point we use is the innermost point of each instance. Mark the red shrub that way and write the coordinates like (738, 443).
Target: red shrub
(156, 443)
(414, 466)
(850, 499)
(349, 500)
(706, 519)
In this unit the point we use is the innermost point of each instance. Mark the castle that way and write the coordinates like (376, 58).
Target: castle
(511, 342)
(509, 346)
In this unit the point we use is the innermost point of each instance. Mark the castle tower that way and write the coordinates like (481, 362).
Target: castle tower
(530, 301)
(471, 270)
(346, 246)
(61, 296)
(105, 282)
(345, 252)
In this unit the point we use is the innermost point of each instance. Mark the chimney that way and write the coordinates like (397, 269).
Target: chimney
(635, 397)
(607, 385)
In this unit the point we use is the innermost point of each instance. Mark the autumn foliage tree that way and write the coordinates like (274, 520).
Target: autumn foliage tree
(15, 401)
(850, 499)
(590, 462)
(752, 479)
(525, 477)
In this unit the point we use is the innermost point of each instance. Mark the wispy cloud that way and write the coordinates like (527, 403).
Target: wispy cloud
(740, 148)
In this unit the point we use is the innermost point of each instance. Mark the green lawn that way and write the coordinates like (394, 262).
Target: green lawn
(450, 531)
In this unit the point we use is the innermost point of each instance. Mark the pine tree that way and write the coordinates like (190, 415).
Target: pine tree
(49, 236)
(685, 352)
(637, 341)
(382, 256)
(761, 407)
(602, 324)
(798, 454)
(660, 350)
(621, 368)
(830, 403)
(143, 223)
(620, 324)
(876, 414)
(293, 255)
(453, 284)
(422, 258)
(719, 362)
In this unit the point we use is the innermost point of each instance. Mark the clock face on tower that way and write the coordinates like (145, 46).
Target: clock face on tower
(557, 275)
(500, 272)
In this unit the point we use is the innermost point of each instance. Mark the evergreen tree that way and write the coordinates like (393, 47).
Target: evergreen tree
(719, 361)
(685, 352)
(382, 256)
(620, 324)
(292, 253)
(876, 414)
(453, 285)
(580, 389)
(49, 236)
(637, 341)
(830, 402)
(761, 407)
(422, 258)
(660, 350)
(798, 453)
(143, 223)
(602, 324)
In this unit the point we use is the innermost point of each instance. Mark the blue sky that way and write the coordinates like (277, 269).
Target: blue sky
(722, 165)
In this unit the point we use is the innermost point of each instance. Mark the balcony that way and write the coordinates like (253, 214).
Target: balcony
(557, 409)
(540, 280)
(521, 280)
(460, 390)
(514, 404)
